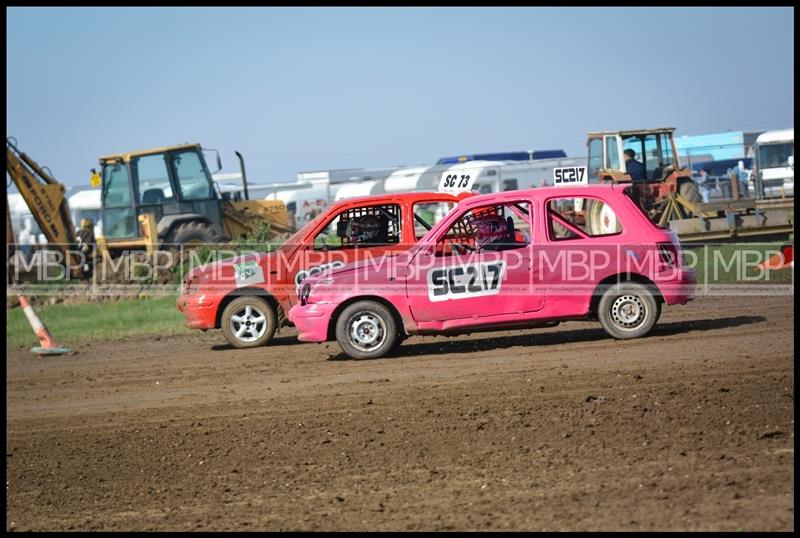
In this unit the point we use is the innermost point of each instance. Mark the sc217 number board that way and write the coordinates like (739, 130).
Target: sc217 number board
(465, 281)
(568, 176)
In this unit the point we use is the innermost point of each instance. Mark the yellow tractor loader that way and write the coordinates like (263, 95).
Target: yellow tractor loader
(165, 197)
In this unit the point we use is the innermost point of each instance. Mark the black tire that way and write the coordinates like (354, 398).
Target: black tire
(256, 323)
(628, 310)
(688, 189)
(193, 233)
(367, 330)
(397, 343)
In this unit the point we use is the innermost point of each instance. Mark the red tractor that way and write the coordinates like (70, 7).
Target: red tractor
(663, 188)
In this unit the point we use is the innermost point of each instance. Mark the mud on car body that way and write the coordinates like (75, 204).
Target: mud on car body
(248, 296)
(514, 259)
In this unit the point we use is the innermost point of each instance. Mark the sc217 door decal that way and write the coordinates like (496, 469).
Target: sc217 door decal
(465, 281)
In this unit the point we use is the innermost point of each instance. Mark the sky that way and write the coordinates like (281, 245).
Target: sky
(323, 88)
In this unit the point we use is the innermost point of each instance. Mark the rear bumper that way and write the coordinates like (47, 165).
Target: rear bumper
(680, 288)
(311, 321)
(199, 310)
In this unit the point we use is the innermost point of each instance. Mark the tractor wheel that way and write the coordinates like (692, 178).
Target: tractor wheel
(601, 219)
(688, 189)
(193, 234)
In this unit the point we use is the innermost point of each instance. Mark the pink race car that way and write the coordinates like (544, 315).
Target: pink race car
(510, 260)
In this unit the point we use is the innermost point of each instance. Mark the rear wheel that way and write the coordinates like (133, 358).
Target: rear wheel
(688, 189)
(628, 310)
(367, 330)
(193, 234)
(248, 321)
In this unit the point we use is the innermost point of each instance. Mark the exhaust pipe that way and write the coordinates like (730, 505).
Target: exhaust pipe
(244, 175)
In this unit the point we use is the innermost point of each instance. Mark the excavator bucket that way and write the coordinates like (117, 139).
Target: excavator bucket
(45, 198)
(241, 217)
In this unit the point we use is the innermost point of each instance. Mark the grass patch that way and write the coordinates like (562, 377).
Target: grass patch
(74, 323)
(735, 263)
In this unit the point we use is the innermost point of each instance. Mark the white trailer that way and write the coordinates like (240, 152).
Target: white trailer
(362, 188)
(415, 178)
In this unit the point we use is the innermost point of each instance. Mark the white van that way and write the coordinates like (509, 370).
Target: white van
(774, 168)
(86, 204)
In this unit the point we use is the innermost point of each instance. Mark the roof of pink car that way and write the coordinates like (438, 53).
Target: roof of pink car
(548, 192)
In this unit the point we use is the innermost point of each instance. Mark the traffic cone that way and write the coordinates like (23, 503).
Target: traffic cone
(49, 346)
(783, 259)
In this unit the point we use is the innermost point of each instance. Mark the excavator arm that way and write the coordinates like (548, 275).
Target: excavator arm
(46, 199)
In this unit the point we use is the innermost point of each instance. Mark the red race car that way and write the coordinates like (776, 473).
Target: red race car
(248, 296)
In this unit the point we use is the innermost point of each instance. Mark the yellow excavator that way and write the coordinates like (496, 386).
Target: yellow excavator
(151, 199)
(46, 199)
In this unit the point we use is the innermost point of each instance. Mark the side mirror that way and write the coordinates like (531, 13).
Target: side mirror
(219, 164)
(791, 160)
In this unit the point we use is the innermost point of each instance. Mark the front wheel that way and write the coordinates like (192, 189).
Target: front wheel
(367, 330)
(248, 321)
(628, 310)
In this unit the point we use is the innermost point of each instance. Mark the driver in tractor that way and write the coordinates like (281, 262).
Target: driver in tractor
(634, 168)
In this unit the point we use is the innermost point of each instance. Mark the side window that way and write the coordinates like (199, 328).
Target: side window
(483, 188)
(510, 185)
(646, 152)
(575, 218)
(595, 157)
(192, 177)
(612, 153)
(117, 186)
(118, 215)
(153, 179)
(361, 226)
(488, 228)
(667, 157)
(428, 214)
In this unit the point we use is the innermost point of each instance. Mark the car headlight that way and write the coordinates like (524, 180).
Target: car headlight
(305, 291)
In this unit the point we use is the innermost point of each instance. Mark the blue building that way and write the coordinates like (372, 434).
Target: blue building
(715, 147)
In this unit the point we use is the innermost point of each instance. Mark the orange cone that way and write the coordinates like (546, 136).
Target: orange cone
(48, 343)
(783, 259)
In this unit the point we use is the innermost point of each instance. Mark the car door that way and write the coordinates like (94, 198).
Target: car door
(481, 267)
(581, 246)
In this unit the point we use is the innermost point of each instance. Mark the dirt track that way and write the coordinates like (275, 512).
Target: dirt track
(690, 428)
